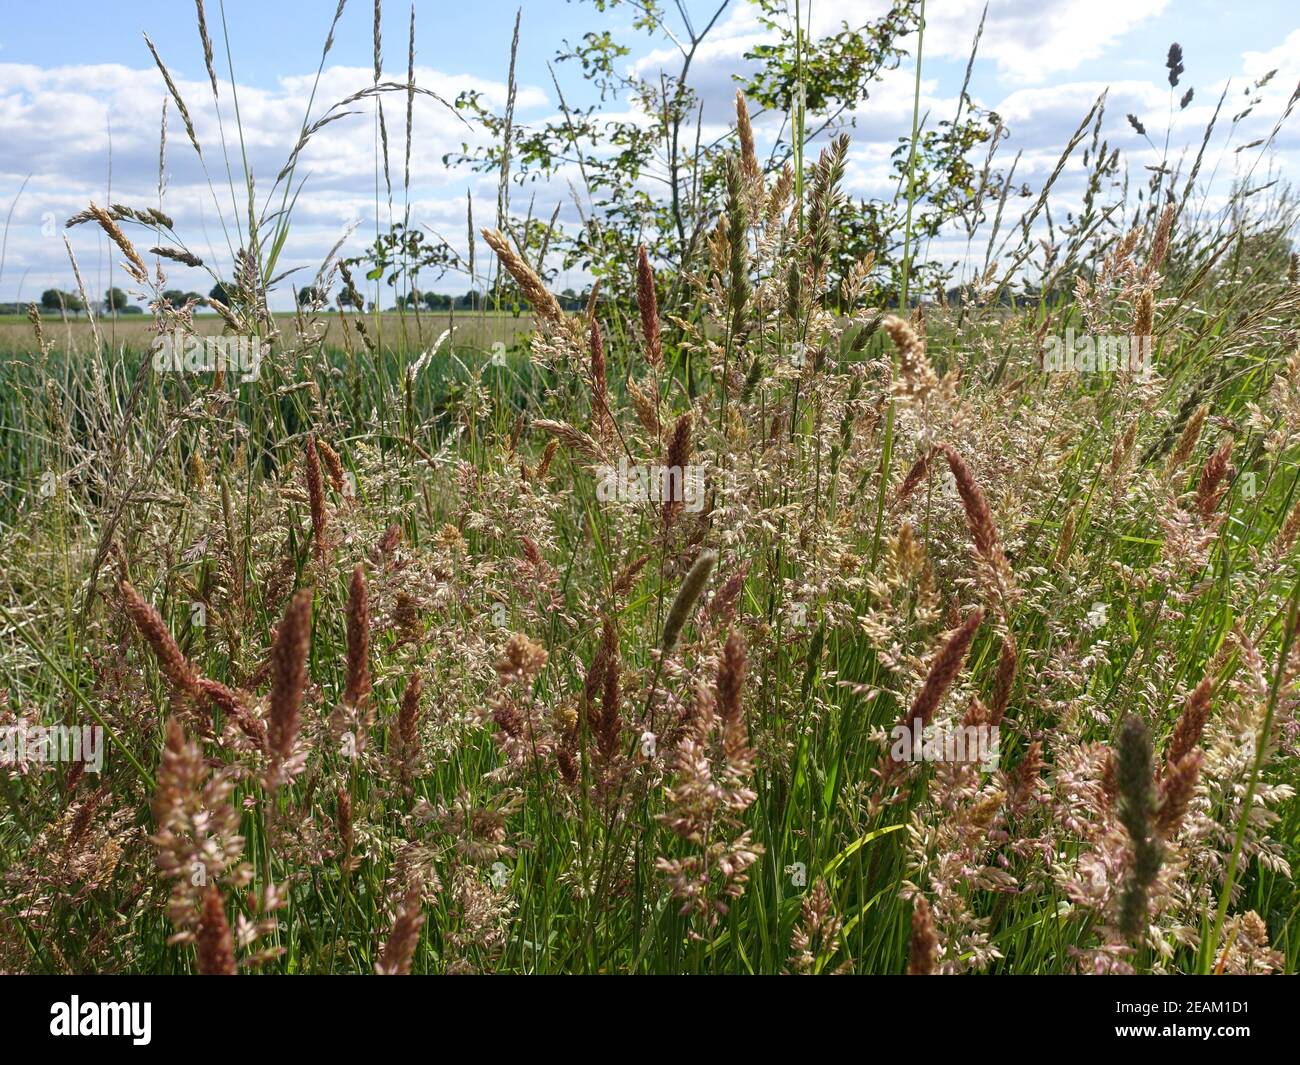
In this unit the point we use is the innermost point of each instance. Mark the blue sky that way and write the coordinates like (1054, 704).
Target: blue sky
(78, 92)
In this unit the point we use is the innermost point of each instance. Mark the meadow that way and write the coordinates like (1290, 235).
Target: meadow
(477, 329)
(391, 682)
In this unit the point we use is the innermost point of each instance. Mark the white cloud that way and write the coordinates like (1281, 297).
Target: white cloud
(92, 132)
(1029, 40)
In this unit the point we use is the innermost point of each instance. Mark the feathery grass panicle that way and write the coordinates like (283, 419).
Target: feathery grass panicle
(206, 41)
(333, 464)
(574, 439)
(1137, 808)
(177, 255)
(731, 678)
(172, 663)
(729, 693)
(944, 668)
(1177, 788)
(599, 385)
(679, 457)
(1211, 489)
(1066, 542)
(357, 688)
(135, 265)
(609, 722)
(627, 579)
(692, 587)
(1144, 317)
(923, 952)
(594, 681)
(408, 724)
(1286, 536)
(1187, 440)
(398, 953)
(544, 304)
(1186, 736)
(1026, 778)
(1160, 241)
(343, 831)
(289, 674)
(223, 699)
(196, 829)
(1004, 680)
(34, 316)
(1120, 455)
(176, 96)
(213, 942)
(745, 134)
(915, 474)
(739, 288)
(648, 305)
(722, 606)
(918, 378)
(316, 498)
(521, 660)
(978, 516)
(647, 410)
(824, 200)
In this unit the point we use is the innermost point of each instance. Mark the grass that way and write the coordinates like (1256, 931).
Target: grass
(541, 730)
(479, 329)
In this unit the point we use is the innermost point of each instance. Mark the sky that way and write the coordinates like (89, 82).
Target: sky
(81, 100)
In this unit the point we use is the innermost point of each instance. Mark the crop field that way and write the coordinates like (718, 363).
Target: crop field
(788, 602)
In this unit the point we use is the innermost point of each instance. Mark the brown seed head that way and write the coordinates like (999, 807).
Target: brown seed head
(731, 679)
(408, 721)
(399, 952)
(215, 947)
(745, 133)
(333, 464)
(289, 673)
(316, 495)
(679, 457)
(978, 516)
(944, 668)
(1177, 787)
(923, 951)
(358, 685)
(1004, 680)
(544, 304)
(648, 304)
(1186, 736)
(1211, 488)
(172, 662)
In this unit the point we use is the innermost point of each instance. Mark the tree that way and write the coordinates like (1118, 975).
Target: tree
(646, 134)
(220, 294)
(55, 301)
(311, 294)
(116, 300)
(400, 255)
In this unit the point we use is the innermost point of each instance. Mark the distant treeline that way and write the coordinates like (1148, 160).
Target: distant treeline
(472, 300)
